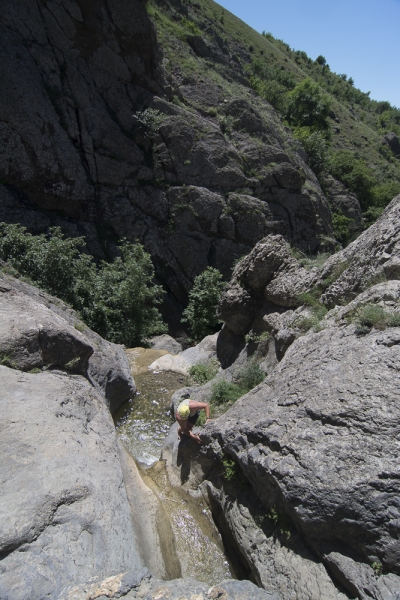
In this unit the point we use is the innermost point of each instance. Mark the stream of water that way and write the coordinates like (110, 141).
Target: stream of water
(142, 425)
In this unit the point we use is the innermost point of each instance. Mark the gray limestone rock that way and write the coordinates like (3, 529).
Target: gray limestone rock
(65, 516)
(317, 440)
(93, 141)
(373, 256)
(392, 140)
(344, 202)
(165, 342)
(33, 336)
(38, 330)
(130, 586)
(269, 257)
(237, 308)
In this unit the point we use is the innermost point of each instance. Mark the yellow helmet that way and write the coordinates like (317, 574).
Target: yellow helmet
(184, 411)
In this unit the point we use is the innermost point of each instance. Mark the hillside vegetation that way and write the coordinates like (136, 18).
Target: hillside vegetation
(341, 128)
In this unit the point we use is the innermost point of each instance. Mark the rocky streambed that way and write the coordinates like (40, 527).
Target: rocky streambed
(186, 527)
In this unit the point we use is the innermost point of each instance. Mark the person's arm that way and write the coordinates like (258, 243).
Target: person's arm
(186, 430)
(201, 406)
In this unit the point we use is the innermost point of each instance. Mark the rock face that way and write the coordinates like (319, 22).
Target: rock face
(101, 138)
(65, 515)
(264, 285)
(76, 519)
(344, 202)
(165, 342)
(302, 472)
(130, 586)
(373, 256)
(392, 140)
(40, 331)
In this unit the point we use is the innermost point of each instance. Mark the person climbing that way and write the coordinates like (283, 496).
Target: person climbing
(187, 414)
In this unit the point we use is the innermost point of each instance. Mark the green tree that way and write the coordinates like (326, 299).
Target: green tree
(200, 313)
(123, 298)
(317, 147)
(118, 300)
(355, 174)
(308, 106)
(341, 227)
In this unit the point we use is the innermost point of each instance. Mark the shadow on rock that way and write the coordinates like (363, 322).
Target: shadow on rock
(187, 451)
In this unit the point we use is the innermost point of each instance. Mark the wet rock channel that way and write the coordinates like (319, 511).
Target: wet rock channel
(192, 544)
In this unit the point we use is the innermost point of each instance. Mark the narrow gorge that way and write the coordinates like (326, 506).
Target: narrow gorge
(160, 126)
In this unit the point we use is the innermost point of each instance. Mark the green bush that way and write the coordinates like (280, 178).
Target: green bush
(317, 147)
(373, 315)
(383, 193)
(224, 392)
(341, 227)
(355, 174)
(203, 372)
(121, 300)
(249, 376)
(118, 300)
(200, 312)
(272, 91)
(308, 106)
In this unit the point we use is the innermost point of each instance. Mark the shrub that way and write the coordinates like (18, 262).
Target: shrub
(308, 106)
(383, 193)
(224, 392)
(124, 298)
(373, 315)
(355, 174)
(272, 91)
(317, 147)
(249, 376)
(118, 300)
(341, 227)
(151, 119)
(200, 312)
(203, 372)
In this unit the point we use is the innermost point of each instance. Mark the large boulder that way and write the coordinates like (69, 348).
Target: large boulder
(373, 256)
(39, 331)
(65, 515)
(392, 140)
(203, 352)
(317, 442)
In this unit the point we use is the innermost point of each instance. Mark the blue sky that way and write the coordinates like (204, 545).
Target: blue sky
(357, 37)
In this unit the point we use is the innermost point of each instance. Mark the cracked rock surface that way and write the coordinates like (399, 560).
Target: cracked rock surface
(78, 152)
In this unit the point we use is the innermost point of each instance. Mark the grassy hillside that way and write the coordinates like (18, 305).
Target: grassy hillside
(205, 42)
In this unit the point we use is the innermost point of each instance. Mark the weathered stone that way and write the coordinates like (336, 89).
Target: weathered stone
(203, 352)
(42, 331)
(268, 257)
(392, 140)
(329, 417)
(165, 342)
(65, 516)
(372, 256)
(344, 202)
(237, 308)
(33, 336)
(97, 166)
(288, 177)
(277, 557)
(129, 586)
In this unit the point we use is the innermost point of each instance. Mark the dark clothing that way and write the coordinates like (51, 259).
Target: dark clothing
(194, 418)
